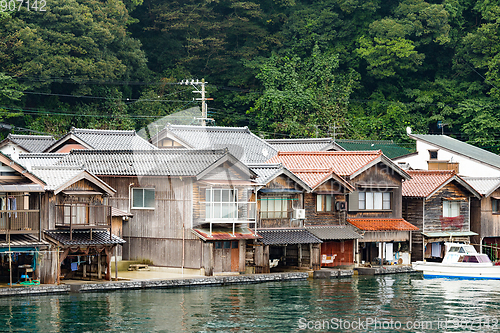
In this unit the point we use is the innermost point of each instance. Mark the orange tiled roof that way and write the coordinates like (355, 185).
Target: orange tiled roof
(343, 163)
(381, 224)
(424, 182)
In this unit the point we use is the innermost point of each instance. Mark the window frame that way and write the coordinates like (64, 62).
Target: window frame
(274, 214)
(211, 205)
(321, 199)
(495, 206)
(448, 207)
(143, 189)
(369, 201)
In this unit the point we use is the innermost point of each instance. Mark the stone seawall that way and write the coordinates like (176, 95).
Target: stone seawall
(150, 284)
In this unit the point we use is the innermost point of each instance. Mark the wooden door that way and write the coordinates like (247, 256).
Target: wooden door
(235, 257)
(222, 257)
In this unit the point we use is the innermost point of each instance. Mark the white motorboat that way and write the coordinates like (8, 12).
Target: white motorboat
(460, 261)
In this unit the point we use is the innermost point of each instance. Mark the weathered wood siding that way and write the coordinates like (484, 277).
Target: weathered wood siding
(313, 217)
(413, 212)
(490, 222)
(157, 234)
(434, 221)
(384, 179)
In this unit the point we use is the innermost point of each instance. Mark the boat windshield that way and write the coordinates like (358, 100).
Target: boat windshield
(474, 258)
(454, 249)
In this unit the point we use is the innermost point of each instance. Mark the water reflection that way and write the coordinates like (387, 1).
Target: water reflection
(270, 307)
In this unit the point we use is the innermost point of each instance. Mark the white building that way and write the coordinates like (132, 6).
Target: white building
(441, 152)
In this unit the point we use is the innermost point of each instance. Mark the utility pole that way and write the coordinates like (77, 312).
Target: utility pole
(203, 99)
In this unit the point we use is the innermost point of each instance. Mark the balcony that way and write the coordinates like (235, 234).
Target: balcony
(83, 216)
(24, 221)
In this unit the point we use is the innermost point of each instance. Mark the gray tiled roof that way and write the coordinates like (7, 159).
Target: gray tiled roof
(39, 159)
(54, 177)
(162, 162)
(82, 237)
(337, 232)
(265, 172)
(484, 185)
(460, 147)
(108, 139)
(312, 144)
(287, 236)
(242, 144)
(32, 143)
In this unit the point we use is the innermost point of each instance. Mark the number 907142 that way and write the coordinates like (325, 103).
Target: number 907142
(17, 5)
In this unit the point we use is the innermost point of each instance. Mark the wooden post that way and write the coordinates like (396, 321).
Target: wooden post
(116, 262)
(300, 256)
(310, 255)
(10, 263)
(58, 280)
(99, 269)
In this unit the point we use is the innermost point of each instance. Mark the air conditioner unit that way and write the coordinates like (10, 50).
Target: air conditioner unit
(341, 205)
(299, 214)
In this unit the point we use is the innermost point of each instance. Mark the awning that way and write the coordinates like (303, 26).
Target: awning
(338, 232)
(279, 190)
(287, 236)
(83, 238)
(115, 212)
(225, 234)
(21, 188)
(382, 224)
(449, 234)
(21, 242)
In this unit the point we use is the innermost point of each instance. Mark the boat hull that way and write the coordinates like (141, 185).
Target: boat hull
(461, 271)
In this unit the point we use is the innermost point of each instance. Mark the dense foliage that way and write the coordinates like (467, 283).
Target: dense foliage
(283, 67)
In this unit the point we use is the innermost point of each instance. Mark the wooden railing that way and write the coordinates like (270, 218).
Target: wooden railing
(77, 216)
(24, 220)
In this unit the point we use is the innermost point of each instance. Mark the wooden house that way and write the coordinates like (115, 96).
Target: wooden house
(77, 222)
(373, 185)
(485, 215)
(285, 241)
(438, 203)
(21, 242)
(192, 209)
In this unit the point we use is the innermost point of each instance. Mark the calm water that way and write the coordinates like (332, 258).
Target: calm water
(417, 305)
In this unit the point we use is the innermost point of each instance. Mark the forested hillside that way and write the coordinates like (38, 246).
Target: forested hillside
(285, 68)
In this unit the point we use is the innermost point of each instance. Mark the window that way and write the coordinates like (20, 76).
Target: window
(325, 203)
(495, 205)
(221, 203)
(451, 208)
(433, 154)
(143, 198)
(374, 200)
(274, 207)
(76, 214)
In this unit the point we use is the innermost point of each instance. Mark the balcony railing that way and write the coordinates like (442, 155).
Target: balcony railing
(81, 216)
(20, 221)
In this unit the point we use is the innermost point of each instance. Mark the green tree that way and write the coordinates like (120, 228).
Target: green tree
(302, 97)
